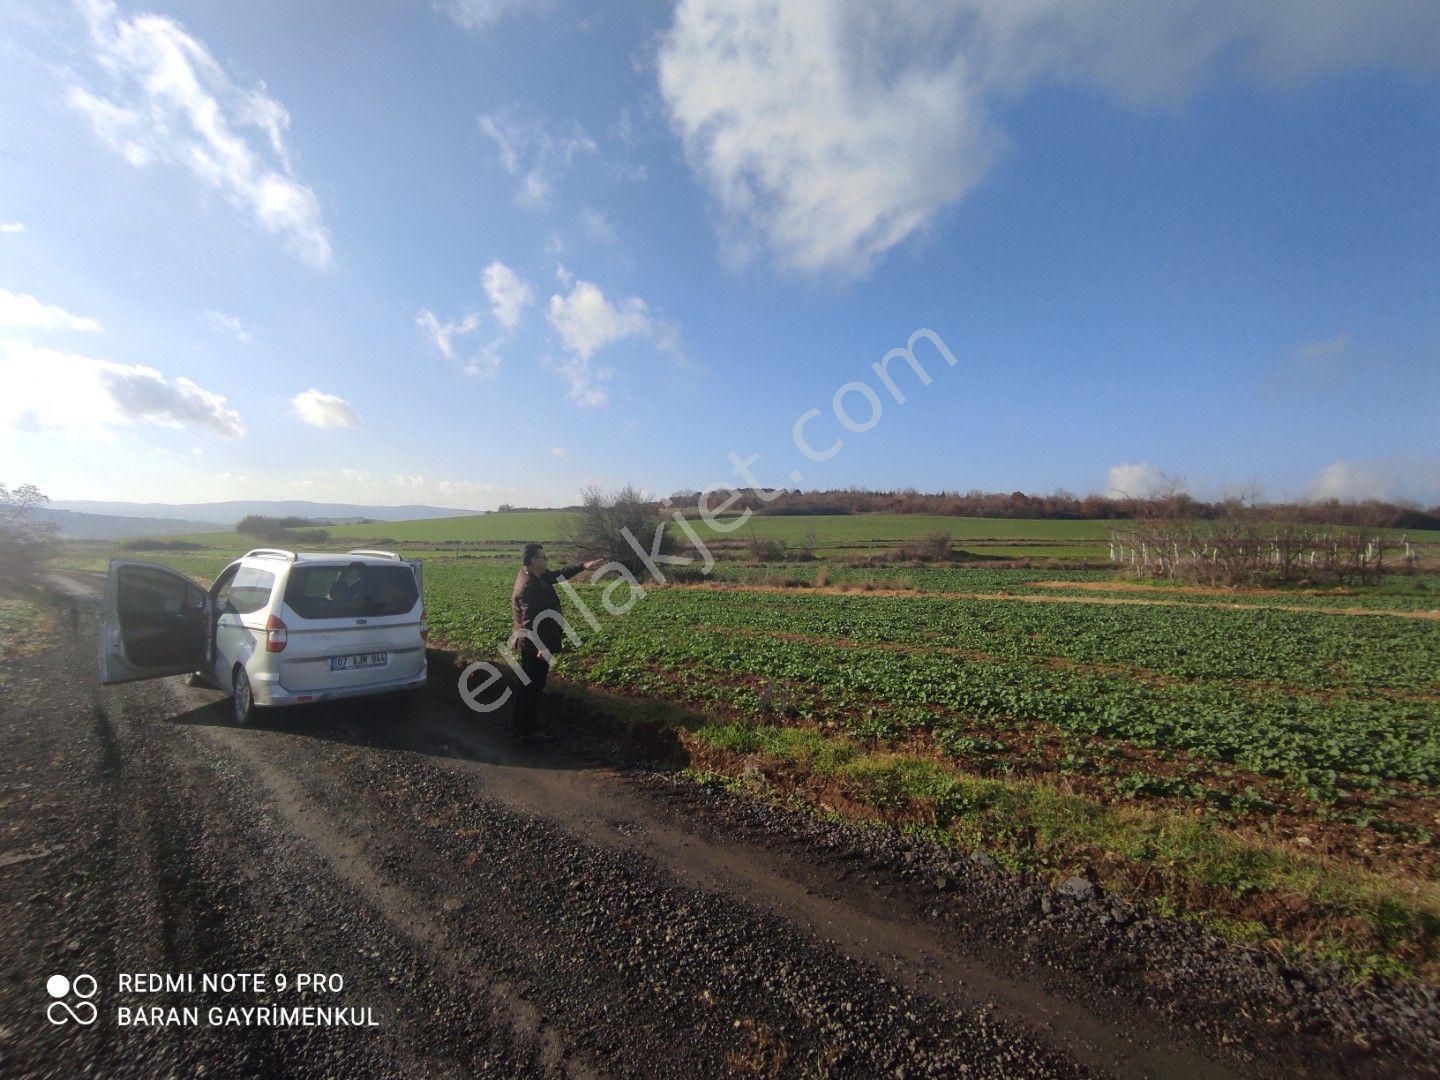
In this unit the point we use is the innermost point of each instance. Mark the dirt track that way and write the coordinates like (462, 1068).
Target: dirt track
(505, 911)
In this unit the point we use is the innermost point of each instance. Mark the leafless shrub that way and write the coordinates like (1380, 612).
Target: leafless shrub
(764, 548)
(936, 546)
(1245, 548)
(598, 530)
(25, 541)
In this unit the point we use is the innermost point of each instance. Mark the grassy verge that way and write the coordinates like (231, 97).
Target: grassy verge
(1242, 885)
(23, 622)
(26, 625)
(1248, 888)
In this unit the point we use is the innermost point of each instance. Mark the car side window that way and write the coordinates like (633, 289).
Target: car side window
(222, 594)
(250, 591)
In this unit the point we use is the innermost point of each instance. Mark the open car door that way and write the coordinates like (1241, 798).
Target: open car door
(153, 623)
(414, 564)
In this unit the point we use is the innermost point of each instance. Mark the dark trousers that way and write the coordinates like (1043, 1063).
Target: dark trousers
(526, 710)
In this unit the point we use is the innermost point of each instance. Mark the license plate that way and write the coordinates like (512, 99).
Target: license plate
(369, 659)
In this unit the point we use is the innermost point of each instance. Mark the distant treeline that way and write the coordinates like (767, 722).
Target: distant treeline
(1062, 505)
(281, 529)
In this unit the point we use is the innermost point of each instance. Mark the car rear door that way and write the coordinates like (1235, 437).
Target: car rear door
(340, 640)
(153, 623)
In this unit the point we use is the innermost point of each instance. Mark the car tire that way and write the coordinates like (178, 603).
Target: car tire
(243, 709)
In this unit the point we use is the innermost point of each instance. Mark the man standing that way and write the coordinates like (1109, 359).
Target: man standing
(535, 610)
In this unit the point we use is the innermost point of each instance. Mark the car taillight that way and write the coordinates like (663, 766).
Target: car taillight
(424, 626)
(275, 634)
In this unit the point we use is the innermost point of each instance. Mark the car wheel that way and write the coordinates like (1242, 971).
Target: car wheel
(242, 699)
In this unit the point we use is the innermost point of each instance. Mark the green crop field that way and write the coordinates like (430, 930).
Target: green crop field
(1225, 754)
(509, 527)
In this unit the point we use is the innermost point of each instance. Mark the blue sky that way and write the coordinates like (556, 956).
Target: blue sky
(488, 251)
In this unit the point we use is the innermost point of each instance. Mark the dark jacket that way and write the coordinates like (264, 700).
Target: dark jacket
(533, 595)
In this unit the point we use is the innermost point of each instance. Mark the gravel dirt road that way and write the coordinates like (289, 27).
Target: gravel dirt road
(502, 911)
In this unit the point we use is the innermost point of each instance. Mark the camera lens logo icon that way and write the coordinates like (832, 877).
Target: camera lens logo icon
(60, 1011)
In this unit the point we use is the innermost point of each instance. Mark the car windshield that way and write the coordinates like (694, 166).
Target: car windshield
(350, 590)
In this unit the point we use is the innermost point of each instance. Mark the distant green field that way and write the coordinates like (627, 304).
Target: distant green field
(829, 529)
(833, 537)
(873, 528)
(549, 525)
(519, 526)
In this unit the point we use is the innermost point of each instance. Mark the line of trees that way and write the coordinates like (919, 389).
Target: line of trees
(279, 530)
(1249, 545)
(1063, 505)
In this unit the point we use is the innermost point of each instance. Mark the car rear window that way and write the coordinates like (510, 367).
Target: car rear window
(354, 590)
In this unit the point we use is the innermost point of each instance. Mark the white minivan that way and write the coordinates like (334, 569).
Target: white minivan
(275, 628)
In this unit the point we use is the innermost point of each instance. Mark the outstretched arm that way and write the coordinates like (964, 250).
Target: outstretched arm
(553, 576)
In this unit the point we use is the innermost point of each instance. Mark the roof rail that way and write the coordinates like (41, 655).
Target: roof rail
(375, 553)
(269, 553)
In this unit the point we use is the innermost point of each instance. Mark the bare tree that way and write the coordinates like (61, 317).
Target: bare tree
(24, 540)
(609, 526)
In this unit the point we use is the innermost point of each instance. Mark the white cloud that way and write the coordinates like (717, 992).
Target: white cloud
(509, 295)
(174, 103)
(830, 132)
(229, 324)
(1136, 481)
(47, 390)
(1348, 480)
(418, 488)
(559, 452)
(478, 14)
(587, 382)
(1417, 479)
(143, 394)
(597, 227)
(442, 335)
(20, 311)
(322, 410)
(12, 227)
(530, 152)
(587, 322)
(487, 361)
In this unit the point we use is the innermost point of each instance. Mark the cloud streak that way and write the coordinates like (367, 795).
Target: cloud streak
(51, 390)
(508, 294)
(228, 324)
(322, 410)
(167, 100)
(829, 132)
(530, 152)
(21, 311)
(588, 321)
